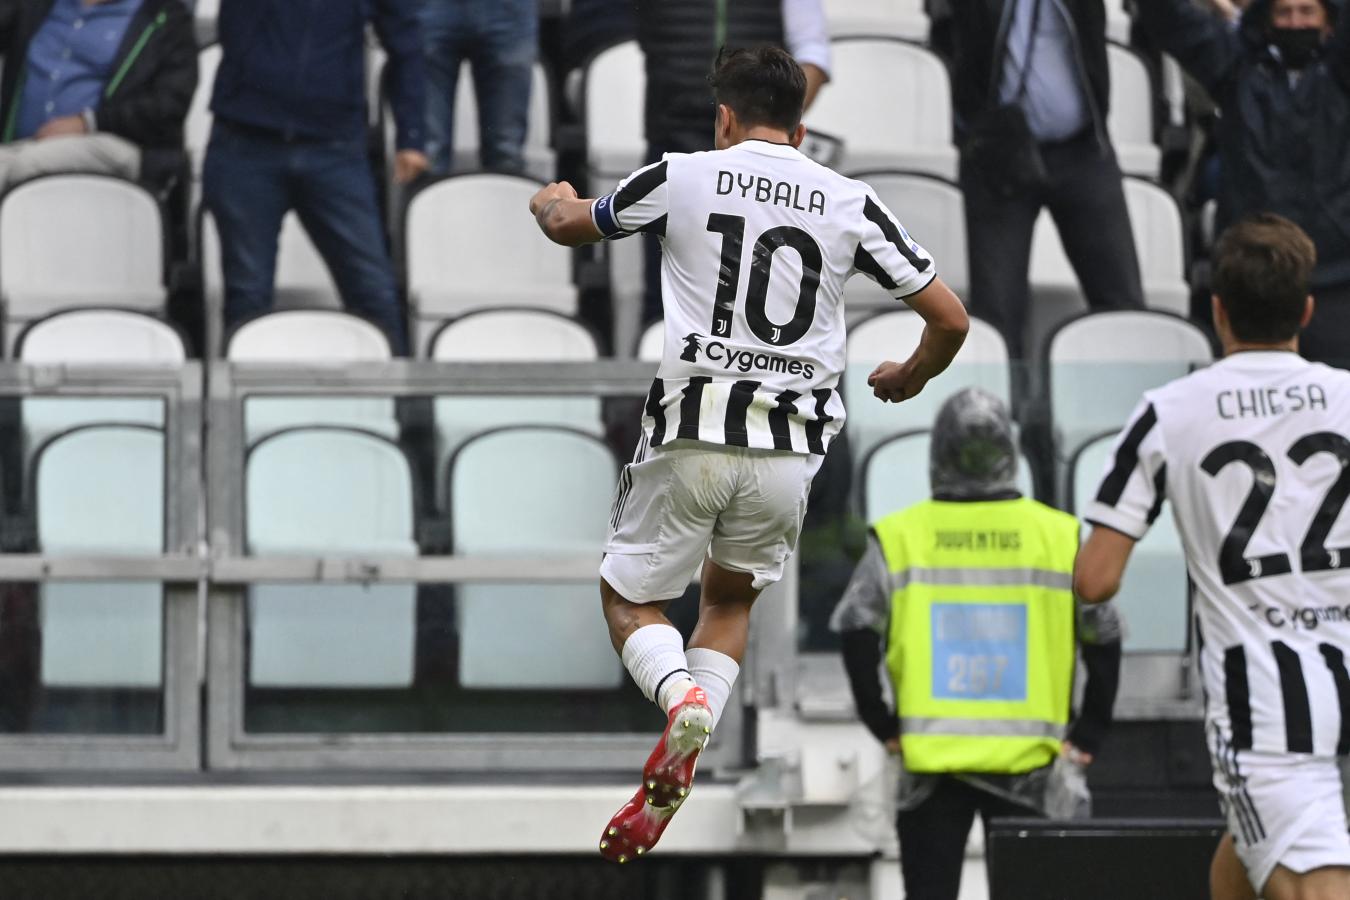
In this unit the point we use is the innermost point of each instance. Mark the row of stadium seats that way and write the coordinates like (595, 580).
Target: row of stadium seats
(100, 489)
(918, 89)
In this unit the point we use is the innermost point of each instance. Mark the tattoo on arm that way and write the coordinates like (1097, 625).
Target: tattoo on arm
(547, 211)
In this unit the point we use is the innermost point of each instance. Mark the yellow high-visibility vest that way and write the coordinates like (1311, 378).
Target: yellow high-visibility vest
(981, 643)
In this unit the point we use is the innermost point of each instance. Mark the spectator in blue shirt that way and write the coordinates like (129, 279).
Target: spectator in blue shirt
(500, 40)
(95, 86)
(290, 133)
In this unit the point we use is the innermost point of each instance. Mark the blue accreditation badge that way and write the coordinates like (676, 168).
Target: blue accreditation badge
(979, 651)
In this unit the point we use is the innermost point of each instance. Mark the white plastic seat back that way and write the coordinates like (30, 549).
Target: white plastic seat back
(469, 248)
(505, 502)
(981, 362)
(507, 336)
(1153, 593)
(115, 223)
(540, 160)
(917, 90)
(100, 492)
(896, 475)
(1130, 120)
(330, 492)
(1100, 365)
(652, 344)
(627, 287)
(206, 14)
(878, 18)
(615, 97)
(95, 336)
(312, 337)
(933, 211)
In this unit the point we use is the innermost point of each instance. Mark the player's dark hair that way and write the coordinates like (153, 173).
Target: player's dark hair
(1261, 269)
(762, 85)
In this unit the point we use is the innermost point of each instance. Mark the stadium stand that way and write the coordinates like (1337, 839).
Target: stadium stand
(117, 229)
(330, 491)
(313, 337)
(503, 335)
(916, 130)
(652, 344)
(614, 84)
(879, 18)
(1130, 121)
(469, 247)
(927, 206)
(895, 474)
(100, 490)
(540, 160)
(982, 362)
(548, 516)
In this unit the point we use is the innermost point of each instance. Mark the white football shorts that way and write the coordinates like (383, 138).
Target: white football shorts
(741, 507)
(1283, 810)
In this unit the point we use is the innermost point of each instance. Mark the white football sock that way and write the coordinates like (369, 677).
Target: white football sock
(716, 674)
(654, 656)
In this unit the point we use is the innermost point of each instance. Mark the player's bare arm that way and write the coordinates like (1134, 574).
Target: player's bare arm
(945, 327)
(1101, 564)
(563, 217)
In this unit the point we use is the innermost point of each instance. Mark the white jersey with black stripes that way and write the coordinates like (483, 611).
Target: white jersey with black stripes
(1254, 455)
(758, 241)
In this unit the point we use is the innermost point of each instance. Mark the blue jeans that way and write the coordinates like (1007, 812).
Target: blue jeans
(500, 39)
(251, 179)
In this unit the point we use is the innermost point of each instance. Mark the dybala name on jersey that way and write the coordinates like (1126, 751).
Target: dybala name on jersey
(766, 190)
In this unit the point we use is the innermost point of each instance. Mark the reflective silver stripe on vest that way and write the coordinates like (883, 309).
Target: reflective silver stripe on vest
(1045, 578)
(1035, 728)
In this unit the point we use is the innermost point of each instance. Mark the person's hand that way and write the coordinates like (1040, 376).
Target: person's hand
(408, 164)
(893, 382)
(558, 190)
(1074, 755)
(893, 746)
(62, 126)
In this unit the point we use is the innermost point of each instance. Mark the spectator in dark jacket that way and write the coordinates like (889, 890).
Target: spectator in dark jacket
(1043, 64)
(1282, 81)
(290, 133)
(95, 86)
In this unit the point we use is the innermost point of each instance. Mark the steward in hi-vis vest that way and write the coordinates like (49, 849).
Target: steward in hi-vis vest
(969, 598)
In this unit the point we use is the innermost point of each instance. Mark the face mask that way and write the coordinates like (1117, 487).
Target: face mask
(1298, 46)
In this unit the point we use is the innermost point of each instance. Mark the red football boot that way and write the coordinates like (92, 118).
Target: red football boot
(666, 780)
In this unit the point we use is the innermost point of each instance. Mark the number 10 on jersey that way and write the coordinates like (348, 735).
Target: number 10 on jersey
(779, 334)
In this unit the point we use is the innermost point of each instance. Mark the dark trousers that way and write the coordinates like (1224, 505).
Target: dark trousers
(251, 179)
(933, 837)
(1086, 200)
(1327, 337)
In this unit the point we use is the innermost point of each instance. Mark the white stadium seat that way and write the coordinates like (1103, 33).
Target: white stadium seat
(312, 337)
(1153, 598)
(934, 213)
(1100, 364)
(878, 18)
(326, 492)
(652, 345)
(540, 160)
(627, 287)
(895, 474)
(470, 247)
(503, 503)
(302, 277)
(100, 492)
(981, 362)
(614, 97)
(1130, 121)
(95, 337)
(911, 129)
(503, 336)
(115, 223)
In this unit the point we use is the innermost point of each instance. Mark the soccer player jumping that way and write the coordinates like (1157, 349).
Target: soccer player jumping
(757, 243)
(1254, 453)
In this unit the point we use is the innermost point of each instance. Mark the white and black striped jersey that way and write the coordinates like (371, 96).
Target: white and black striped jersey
(757, 242)
(1254, 453)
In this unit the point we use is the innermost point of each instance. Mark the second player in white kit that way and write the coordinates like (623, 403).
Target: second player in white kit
(758, 242)
(1254, 455)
